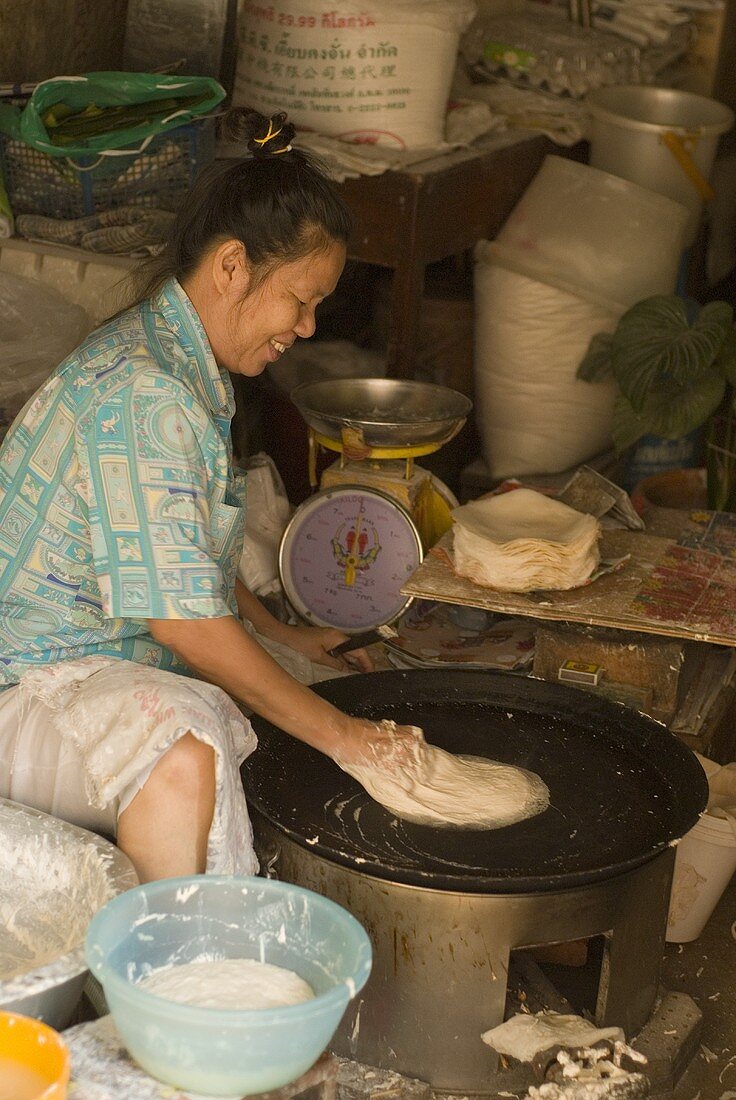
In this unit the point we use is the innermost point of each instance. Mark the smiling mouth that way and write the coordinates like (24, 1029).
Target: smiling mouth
(280, 348)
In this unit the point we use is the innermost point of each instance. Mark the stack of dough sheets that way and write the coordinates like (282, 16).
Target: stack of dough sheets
(521, 541)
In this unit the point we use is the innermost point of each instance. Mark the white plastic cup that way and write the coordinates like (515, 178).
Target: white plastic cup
(704, 865)
(629, 122)
(594, 235)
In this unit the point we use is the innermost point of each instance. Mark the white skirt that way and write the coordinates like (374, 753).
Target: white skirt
(79, 740)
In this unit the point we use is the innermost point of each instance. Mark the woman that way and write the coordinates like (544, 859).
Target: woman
(121, 645)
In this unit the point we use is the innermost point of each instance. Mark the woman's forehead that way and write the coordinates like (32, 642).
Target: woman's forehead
(319, 268)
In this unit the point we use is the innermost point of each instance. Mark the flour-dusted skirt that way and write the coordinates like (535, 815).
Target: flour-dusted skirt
(79, 739)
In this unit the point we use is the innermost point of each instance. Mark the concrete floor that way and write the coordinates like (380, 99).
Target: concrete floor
(706, 970)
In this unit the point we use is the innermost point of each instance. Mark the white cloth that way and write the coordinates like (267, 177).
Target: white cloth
(524, 1036)
(298, 666)
(79, 739)
(349, 160)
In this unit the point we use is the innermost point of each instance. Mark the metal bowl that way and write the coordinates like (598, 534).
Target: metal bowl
(61, 876)
(391, 413)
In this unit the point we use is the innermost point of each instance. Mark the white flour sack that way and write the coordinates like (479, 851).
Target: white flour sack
(534, 416)
(377, 73)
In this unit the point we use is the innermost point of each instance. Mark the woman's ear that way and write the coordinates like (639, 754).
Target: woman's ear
(230, 269)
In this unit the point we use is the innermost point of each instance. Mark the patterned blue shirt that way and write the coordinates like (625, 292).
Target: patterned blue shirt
(118, 501)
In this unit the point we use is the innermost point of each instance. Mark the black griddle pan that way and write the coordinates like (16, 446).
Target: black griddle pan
(622, 787)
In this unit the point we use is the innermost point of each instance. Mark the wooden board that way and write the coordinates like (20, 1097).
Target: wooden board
(680, 581)
(44, 38)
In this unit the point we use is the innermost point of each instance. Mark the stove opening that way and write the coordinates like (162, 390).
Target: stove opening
(562, 977)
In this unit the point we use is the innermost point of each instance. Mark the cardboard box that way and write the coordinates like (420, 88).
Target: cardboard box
(640, 670)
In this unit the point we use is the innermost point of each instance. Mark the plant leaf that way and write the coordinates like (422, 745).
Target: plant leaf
(597, 362)
(654, 346)
(717, 313)
(726, 358)
(679, 411)
(627, 426)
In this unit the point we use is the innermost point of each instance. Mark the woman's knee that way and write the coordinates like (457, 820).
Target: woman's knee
(188, 766)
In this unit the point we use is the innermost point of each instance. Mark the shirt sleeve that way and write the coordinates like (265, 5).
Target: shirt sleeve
(155, 526)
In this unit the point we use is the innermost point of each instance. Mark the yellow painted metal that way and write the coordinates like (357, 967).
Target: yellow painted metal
(380, 452)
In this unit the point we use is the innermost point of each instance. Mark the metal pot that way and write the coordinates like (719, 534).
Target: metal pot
(52, 990)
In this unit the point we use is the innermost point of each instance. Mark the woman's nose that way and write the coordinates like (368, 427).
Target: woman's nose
(306, 324)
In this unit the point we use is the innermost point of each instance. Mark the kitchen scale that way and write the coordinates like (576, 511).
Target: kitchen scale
(349, 549)
(345, 556)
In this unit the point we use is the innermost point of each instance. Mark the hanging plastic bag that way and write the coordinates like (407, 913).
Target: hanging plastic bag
(266, 515)
(98, 113)
(38, 329)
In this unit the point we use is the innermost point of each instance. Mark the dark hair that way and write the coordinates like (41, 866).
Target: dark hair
(279, 202)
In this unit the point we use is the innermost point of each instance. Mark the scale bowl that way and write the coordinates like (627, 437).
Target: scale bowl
(391, 413)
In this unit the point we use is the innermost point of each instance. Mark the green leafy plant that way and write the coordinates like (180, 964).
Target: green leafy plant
(674, 363)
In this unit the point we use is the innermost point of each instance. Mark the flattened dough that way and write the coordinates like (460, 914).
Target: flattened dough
(440, 789)
(522, 540)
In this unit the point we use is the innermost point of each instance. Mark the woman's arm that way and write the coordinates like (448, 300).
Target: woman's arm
(221, 651)
(251, 608)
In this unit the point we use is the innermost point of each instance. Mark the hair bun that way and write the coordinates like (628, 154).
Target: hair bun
(275, 138)
(265, 137)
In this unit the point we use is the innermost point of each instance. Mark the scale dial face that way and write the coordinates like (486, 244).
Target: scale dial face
(345, 555)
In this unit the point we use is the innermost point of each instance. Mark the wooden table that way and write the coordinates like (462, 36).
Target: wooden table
(408, 219)
(679, 581)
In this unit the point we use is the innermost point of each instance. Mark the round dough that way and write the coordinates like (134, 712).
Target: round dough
(228, 983)
(467, 792)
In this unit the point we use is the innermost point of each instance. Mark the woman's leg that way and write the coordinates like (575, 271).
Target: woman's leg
(99, 763)
(164, 829)
(39, 768)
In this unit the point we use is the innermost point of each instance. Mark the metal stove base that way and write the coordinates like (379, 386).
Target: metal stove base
(670, 1040)
(441, 959)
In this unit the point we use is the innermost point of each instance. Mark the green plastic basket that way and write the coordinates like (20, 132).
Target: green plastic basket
(157, 176)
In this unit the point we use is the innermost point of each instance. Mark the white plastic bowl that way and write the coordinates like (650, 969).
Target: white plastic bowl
(216, 1051)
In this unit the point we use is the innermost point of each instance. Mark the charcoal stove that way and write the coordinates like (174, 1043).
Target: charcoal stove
(445, 908)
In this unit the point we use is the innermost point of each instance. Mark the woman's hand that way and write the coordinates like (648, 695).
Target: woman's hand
(381, 745)
(315, 642)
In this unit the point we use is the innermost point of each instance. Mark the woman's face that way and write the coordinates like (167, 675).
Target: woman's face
(256, 324)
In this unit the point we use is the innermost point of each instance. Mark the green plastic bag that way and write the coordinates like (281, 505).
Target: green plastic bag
(99, 113)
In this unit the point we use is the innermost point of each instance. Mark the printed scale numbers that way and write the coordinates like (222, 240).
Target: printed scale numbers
(345, 555)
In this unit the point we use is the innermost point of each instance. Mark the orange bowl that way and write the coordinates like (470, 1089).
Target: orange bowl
(34, 1060)
(672, 489)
